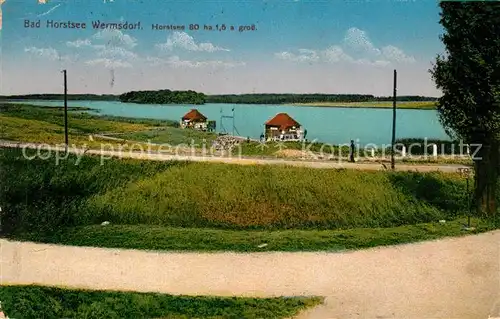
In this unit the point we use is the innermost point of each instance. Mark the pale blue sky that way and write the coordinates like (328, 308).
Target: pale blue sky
(299, 46)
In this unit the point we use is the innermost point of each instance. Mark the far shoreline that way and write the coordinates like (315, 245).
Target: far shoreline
(410, 105)
(407, 105)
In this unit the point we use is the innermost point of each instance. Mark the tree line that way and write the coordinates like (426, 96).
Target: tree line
(306, 98)
(192, 97)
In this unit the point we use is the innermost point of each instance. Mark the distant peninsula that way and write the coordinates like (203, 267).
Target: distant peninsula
(163, 97)
(192, 97)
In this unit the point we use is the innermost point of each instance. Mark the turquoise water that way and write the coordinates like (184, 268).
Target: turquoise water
(329, 125)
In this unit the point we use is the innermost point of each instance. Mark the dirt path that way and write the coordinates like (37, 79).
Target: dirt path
(450, 278)
(106, 154)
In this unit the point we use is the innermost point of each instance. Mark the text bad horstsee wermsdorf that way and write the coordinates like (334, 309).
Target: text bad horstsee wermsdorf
(97, 24)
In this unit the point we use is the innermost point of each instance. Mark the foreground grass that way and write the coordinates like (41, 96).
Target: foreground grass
(210, 240)
(188, 194)
(33, 302)
(209, 207)
(426, 105)
(229, 196)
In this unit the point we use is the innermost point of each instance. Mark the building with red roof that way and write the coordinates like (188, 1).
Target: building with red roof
(283, 127)
(194, 119)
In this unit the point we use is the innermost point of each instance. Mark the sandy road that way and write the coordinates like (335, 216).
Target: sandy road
(450, 278)
(106, 154)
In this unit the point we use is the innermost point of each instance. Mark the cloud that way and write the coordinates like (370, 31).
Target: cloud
(176, 62)
(356, 48)
(113, 37)
(49, 11)
(79, 43)
(335, 54)
(111, 48)
(359, 41)
(396, 54)
(50, 54)
(109, 63)
(117, 52)
(0, 15)
(107, 38)
(1, 2)
(114, 49)
(304, 55)
(182, 40)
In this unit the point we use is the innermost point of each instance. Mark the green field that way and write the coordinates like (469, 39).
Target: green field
(46, 125)
(201, 206)
(34, 302)
(425, 105)
(78, 120)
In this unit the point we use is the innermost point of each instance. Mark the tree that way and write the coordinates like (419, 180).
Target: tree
(468, 75)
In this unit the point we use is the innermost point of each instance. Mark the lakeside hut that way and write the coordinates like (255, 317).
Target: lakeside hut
(282, 127)
(195, 120)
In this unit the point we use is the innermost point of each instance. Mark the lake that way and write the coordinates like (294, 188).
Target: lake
(326, 124)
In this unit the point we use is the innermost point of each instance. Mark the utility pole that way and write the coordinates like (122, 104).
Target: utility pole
(393, 121)
(65, 110)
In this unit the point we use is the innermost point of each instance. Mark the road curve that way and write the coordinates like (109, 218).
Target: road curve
(106, 154)
(450, 278)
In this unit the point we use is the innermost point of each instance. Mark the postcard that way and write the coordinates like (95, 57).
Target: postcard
(249, 159)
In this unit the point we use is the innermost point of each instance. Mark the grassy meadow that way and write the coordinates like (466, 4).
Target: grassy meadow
(25, 123)
(38, 124)
(200, 206)
(33, 302)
